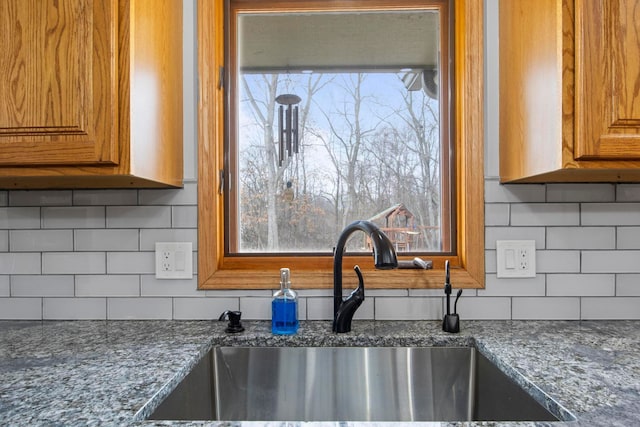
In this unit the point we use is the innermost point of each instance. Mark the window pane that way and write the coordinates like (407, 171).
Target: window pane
(328, 136)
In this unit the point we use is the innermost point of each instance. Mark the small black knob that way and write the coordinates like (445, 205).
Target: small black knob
(234, 326)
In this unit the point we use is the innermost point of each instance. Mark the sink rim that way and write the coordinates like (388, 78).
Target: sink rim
(534, 391)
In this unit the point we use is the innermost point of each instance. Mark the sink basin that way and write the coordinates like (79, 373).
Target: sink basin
(349, 384)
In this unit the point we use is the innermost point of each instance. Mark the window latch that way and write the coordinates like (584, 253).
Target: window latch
(220, 77)
(221, 182)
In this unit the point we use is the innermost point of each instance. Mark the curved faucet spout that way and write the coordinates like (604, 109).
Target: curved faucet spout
(384, 257)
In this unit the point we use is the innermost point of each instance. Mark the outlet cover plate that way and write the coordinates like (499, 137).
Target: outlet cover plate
(516, 258)
(174, 260)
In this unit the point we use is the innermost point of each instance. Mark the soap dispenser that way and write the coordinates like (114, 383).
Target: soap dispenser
(284, 307)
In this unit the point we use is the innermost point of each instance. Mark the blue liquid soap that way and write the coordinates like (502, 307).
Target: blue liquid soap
(284, 307)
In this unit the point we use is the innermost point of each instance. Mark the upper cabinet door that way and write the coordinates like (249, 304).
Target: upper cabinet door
(58, 87)
(607, 79)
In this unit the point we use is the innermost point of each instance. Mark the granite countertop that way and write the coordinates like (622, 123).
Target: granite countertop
(103, 373)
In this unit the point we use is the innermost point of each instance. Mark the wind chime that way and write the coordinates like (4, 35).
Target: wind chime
(288, 139)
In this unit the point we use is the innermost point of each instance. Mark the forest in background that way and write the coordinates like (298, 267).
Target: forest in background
(366, 143)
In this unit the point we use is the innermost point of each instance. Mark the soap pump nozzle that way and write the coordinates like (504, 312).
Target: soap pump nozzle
(234, 326)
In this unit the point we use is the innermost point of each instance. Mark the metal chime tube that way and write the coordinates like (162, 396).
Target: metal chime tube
(288, 139)
(281, 131)
(294, 130)
(289, 132)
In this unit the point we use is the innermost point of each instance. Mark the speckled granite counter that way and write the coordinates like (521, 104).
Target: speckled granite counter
(103, 373)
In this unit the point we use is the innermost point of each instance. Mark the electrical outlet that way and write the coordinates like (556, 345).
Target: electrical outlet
(516, 258)
(174, 260)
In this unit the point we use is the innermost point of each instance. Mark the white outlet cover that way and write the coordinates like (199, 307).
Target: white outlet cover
(168, 266)
(516, 258)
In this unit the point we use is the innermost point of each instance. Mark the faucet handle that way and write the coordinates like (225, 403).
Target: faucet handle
(347, 308)
(360, 280)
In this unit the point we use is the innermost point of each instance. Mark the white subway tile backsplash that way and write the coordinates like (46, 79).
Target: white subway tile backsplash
(386, 292)
(483, 308)
(5, 287)
(139, 308)
(415, 308)
(73, 308)
(113, 285)
(628, 238)
(490, 262)
(514, 233)
(203, 308)
(4, 198)
(105, 197)
(152, 287)
(21, 308)
(545, 214)
(429, 292)
(554, 261)
(366, 310)
(73, 263)
(131, 262)
(185, 196)
(628, 285)
(20, 263)
(581, 238)
(628, 193)
(42, 286)
(496, 214)
(610, 214)
(257, 308)
(545, 308)
(40, 198)
(41, 240)
(319, 308)
(305, 293)
(73, 217)
(184, 216)
(19, 218)
(138, 217)
(494, 192)
(239, 293)
(4, 240)
(610, 262)
(559, 285)
(149, 237)
(534, 286)
(610, 308)
(106, 240)
(581, 193)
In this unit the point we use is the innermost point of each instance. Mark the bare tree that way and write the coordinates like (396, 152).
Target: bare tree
(347, 136)
(262, 99)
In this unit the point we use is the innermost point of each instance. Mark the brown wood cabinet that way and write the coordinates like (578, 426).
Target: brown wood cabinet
(90, 93)
(569, 90)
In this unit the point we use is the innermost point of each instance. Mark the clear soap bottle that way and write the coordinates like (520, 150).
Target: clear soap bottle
(284, 307)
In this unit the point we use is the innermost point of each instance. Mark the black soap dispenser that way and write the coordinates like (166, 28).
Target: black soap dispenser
(451, 321)
(234, 326)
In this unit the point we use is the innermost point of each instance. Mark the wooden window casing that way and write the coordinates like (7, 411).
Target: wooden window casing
(216, 270)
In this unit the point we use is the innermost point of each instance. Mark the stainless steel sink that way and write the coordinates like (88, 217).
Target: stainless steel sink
(348, 384)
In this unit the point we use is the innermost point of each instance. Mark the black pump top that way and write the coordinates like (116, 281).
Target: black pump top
(234, 325)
